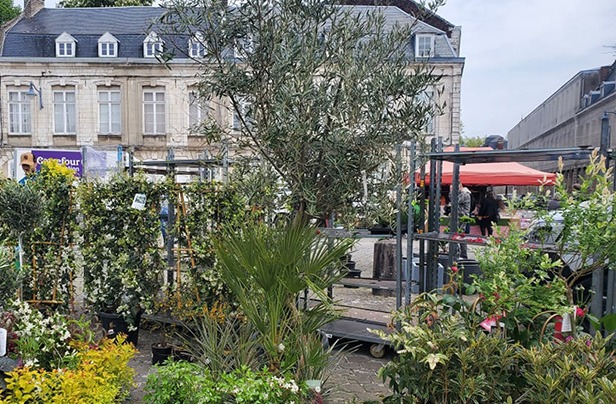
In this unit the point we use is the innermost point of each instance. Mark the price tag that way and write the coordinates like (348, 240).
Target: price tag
(139, 202)
(566, 323)
(3, 335)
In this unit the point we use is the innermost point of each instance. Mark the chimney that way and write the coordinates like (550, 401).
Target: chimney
(31, 7)
(456, 34)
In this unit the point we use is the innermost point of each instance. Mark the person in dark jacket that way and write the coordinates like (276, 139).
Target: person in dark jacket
(488, 213)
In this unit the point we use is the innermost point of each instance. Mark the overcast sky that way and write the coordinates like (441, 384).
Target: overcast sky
(519, 52)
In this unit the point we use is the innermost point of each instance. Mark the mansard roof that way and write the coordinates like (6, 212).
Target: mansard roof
(35, 37)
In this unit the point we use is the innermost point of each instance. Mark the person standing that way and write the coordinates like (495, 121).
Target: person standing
(464, 209)
(488, 213)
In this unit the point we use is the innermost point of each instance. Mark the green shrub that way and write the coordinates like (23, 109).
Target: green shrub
(188, 383)
(181, 382)
(581, 370)
(441, 360)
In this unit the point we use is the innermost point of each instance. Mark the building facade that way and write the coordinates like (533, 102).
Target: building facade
(570, 117)
(75, 77)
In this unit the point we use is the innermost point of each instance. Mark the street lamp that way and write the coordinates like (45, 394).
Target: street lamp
(33, 92)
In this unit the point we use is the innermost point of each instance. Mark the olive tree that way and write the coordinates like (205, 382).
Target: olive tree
(320, 92)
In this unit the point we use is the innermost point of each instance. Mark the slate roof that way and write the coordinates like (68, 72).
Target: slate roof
(35, 37)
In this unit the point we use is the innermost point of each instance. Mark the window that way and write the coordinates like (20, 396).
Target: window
(64, 112)
(426, 100)
(152, 45)
(107, 46)
(244, 47)
(195, 46)
(243, 106)
(20, 116)
(424, 46)
(109, 113)
(65, 45)
(154, 112)
(197, 110)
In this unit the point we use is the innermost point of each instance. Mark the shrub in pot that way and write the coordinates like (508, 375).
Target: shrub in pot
(122, 262)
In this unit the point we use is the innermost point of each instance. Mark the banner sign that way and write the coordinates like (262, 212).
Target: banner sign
(70, 158)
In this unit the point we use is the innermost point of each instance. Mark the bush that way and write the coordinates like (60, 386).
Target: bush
(442, 360)
(101, 376)
(581, 370)
(188, 383)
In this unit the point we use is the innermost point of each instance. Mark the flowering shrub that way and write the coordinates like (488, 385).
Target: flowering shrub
(122, 262)
(39, 341)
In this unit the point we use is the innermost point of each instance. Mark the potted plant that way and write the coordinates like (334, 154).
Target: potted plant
(122, 262)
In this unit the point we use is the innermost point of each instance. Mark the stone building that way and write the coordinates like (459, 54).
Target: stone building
(76, 77)
(570, 117)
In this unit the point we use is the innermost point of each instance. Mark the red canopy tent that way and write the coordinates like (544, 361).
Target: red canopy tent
(491, 173)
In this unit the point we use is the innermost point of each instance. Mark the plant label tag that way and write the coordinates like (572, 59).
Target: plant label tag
(139, 202)
(566, 323)
(3, 335)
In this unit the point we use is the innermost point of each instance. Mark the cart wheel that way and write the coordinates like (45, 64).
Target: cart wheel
(377, 350)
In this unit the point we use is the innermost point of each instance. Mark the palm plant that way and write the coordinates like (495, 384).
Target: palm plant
(267, 269)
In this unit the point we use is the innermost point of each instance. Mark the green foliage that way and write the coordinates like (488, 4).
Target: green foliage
(182, 382)
(8, 11)
(10, 276)
(476, 141)
(582, 370)
(20, 207)
(122, 261)
(222, 345)
(209, 207)
(322, 94)
(266, 269)
(444, 359)
(518, 283)
(103, 3)
(51, 243)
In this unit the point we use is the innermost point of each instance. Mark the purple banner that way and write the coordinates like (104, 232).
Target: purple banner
(70, 158)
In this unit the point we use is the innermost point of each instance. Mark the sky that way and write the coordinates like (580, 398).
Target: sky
(519, 52)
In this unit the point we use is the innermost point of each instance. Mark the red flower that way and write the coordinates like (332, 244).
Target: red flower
(496, 296)
(455, 269)
(580, 312)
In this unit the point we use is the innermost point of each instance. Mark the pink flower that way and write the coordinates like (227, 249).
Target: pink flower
(455, 269)
(580, 312)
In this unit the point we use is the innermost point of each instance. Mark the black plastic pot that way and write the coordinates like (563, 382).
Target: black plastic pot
(115, 324)
(160, 353)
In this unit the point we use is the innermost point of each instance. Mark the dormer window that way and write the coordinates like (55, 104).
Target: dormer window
(424, 45)
(195, 46)
(152, 46)
(107, 46)
(65, 46)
